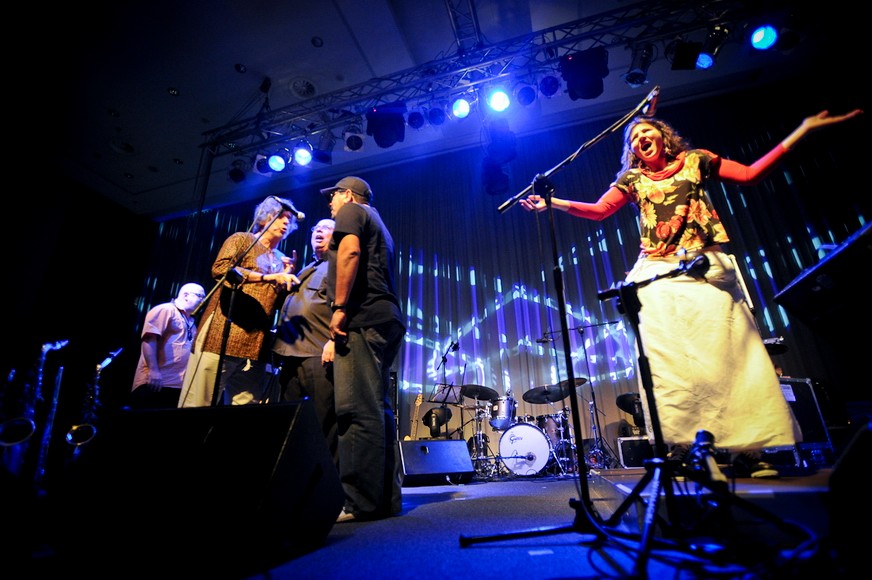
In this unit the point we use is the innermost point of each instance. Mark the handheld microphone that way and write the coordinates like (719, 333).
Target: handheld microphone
(651, 102)
(288, 206)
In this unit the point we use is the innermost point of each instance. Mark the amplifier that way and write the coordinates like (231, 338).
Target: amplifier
(633, 451)
(816, 447)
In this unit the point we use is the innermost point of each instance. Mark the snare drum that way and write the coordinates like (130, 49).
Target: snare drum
(526, 419)
(503, 413)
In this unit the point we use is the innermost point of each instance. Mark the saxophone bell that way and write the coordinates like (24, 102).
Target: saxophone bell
(16, 431)
(80, 434)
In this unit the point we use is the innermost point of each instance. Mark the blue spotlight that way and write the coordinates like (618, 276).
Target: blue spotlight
(764, 37)
(460, 108)
(303, 153)
(498, 100)
(279, 160)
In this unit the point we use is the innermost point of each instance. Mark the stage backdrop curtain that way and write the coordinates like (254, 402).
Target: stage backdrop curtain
(469, 273)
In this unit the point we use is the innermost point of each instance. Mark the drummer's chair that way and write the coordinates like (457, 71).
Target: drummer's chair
(631, 403)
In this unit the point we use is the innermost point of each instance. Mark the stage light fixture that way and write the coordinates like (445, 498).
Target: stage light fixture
(712, 45)
(525, 94)
(436, 115)
(261, 164)
(683, 54)
(637, 74)
(498, 99)
(461, 107)
(416, 119)
(502, 142)
(279, 159)
(324, 152)
(764, 37)
(238, 170)
(584, 72)
(549, 85)
(303, 153)
(387, 124)
(353, 138)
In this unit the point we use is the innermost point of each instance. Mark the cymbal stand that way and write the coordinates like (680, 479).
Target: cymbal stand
(480, 460)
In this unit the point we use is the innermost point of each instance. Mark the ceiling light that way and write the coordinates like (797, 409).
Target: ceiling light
(416, 119)
(637, 74)
(386, 124)
(261, 165)
(711, 47)
(303, 153)
(549, 85)
(436, 115)
(525, 94)
(278, 160)
(460, 108)
(353, 137)
(584, 72)
(498, 99)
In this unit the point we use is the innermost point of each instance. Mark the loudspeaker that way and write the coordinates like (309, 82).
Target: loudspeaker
(224, 486)
(633, 451)
(435, 462)
(816, 447)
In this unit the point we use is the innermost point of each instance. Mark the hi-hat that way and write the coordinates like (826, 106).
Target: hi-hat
(551, 393)
(479, 392)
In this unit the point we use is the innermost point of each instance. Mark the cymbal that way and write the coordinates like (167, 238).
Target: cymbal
(478, 392)
(551, 393)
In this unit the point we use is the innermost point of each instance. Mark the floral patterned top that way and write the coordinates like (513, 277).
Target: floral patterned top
(675, 210)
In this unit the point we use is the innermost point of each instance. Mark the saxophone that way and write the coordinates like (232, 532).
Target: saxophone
(85, 431)
(16, 433)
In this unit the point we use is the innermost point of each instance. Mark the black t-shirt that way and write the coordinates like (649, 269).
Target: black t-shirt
(373, 299)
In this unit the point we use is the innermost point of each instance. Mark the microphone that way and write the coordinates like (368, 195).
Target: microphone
(544, 340)
(651, 102)
(454, 346)
(288, 206)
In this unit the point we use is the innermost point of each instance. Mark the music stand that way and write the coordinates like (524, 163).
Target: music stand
(446, 394)
(439, 416)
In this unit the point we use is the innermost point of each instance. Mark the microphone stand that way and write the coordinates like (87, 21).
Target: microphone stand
(235, 280)
(586, 521)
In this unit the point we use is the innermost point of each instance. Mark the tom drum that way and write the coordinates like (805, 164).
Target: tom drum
(502, 413)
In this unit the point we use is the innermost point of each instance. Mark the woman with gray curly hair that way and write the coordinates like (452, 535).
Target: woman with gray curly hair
(256, 276)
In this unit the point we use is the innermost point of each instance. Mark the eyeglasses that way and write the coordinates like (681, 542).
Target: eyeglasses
(321, 228)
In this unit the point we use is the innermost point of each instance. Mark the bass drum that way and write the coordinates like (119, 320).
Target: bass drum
(525, 449)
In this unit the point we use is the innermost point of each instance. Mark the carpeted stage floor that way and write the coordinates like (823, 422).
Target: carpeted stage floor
(483, 524)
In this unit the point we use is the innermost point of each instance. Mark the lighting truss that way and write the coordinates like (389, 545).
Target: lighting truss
(651, 21)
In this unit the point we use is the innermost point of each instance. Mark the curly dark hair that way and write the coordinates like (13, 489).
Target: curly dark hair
(673, 143)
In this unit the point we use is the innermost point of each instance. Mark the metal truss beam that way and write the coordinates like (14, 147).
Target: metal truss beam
(474, 65)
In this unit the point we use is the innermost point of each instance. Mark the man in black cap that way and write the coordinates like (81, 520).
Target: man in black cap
(367, 329)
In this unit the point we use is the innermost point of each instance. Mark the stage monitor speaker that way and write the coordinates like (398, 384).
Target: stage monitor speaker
(435, 462)
(200, 487)
(633, 451)
(816, 447)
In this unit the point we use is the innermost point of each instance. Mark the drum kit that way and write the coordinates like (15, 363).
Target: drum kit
(529, 445)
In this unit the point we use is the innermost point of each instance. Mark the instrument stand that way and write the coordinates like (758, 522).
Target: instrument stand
(699, 466)
(481, 462)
